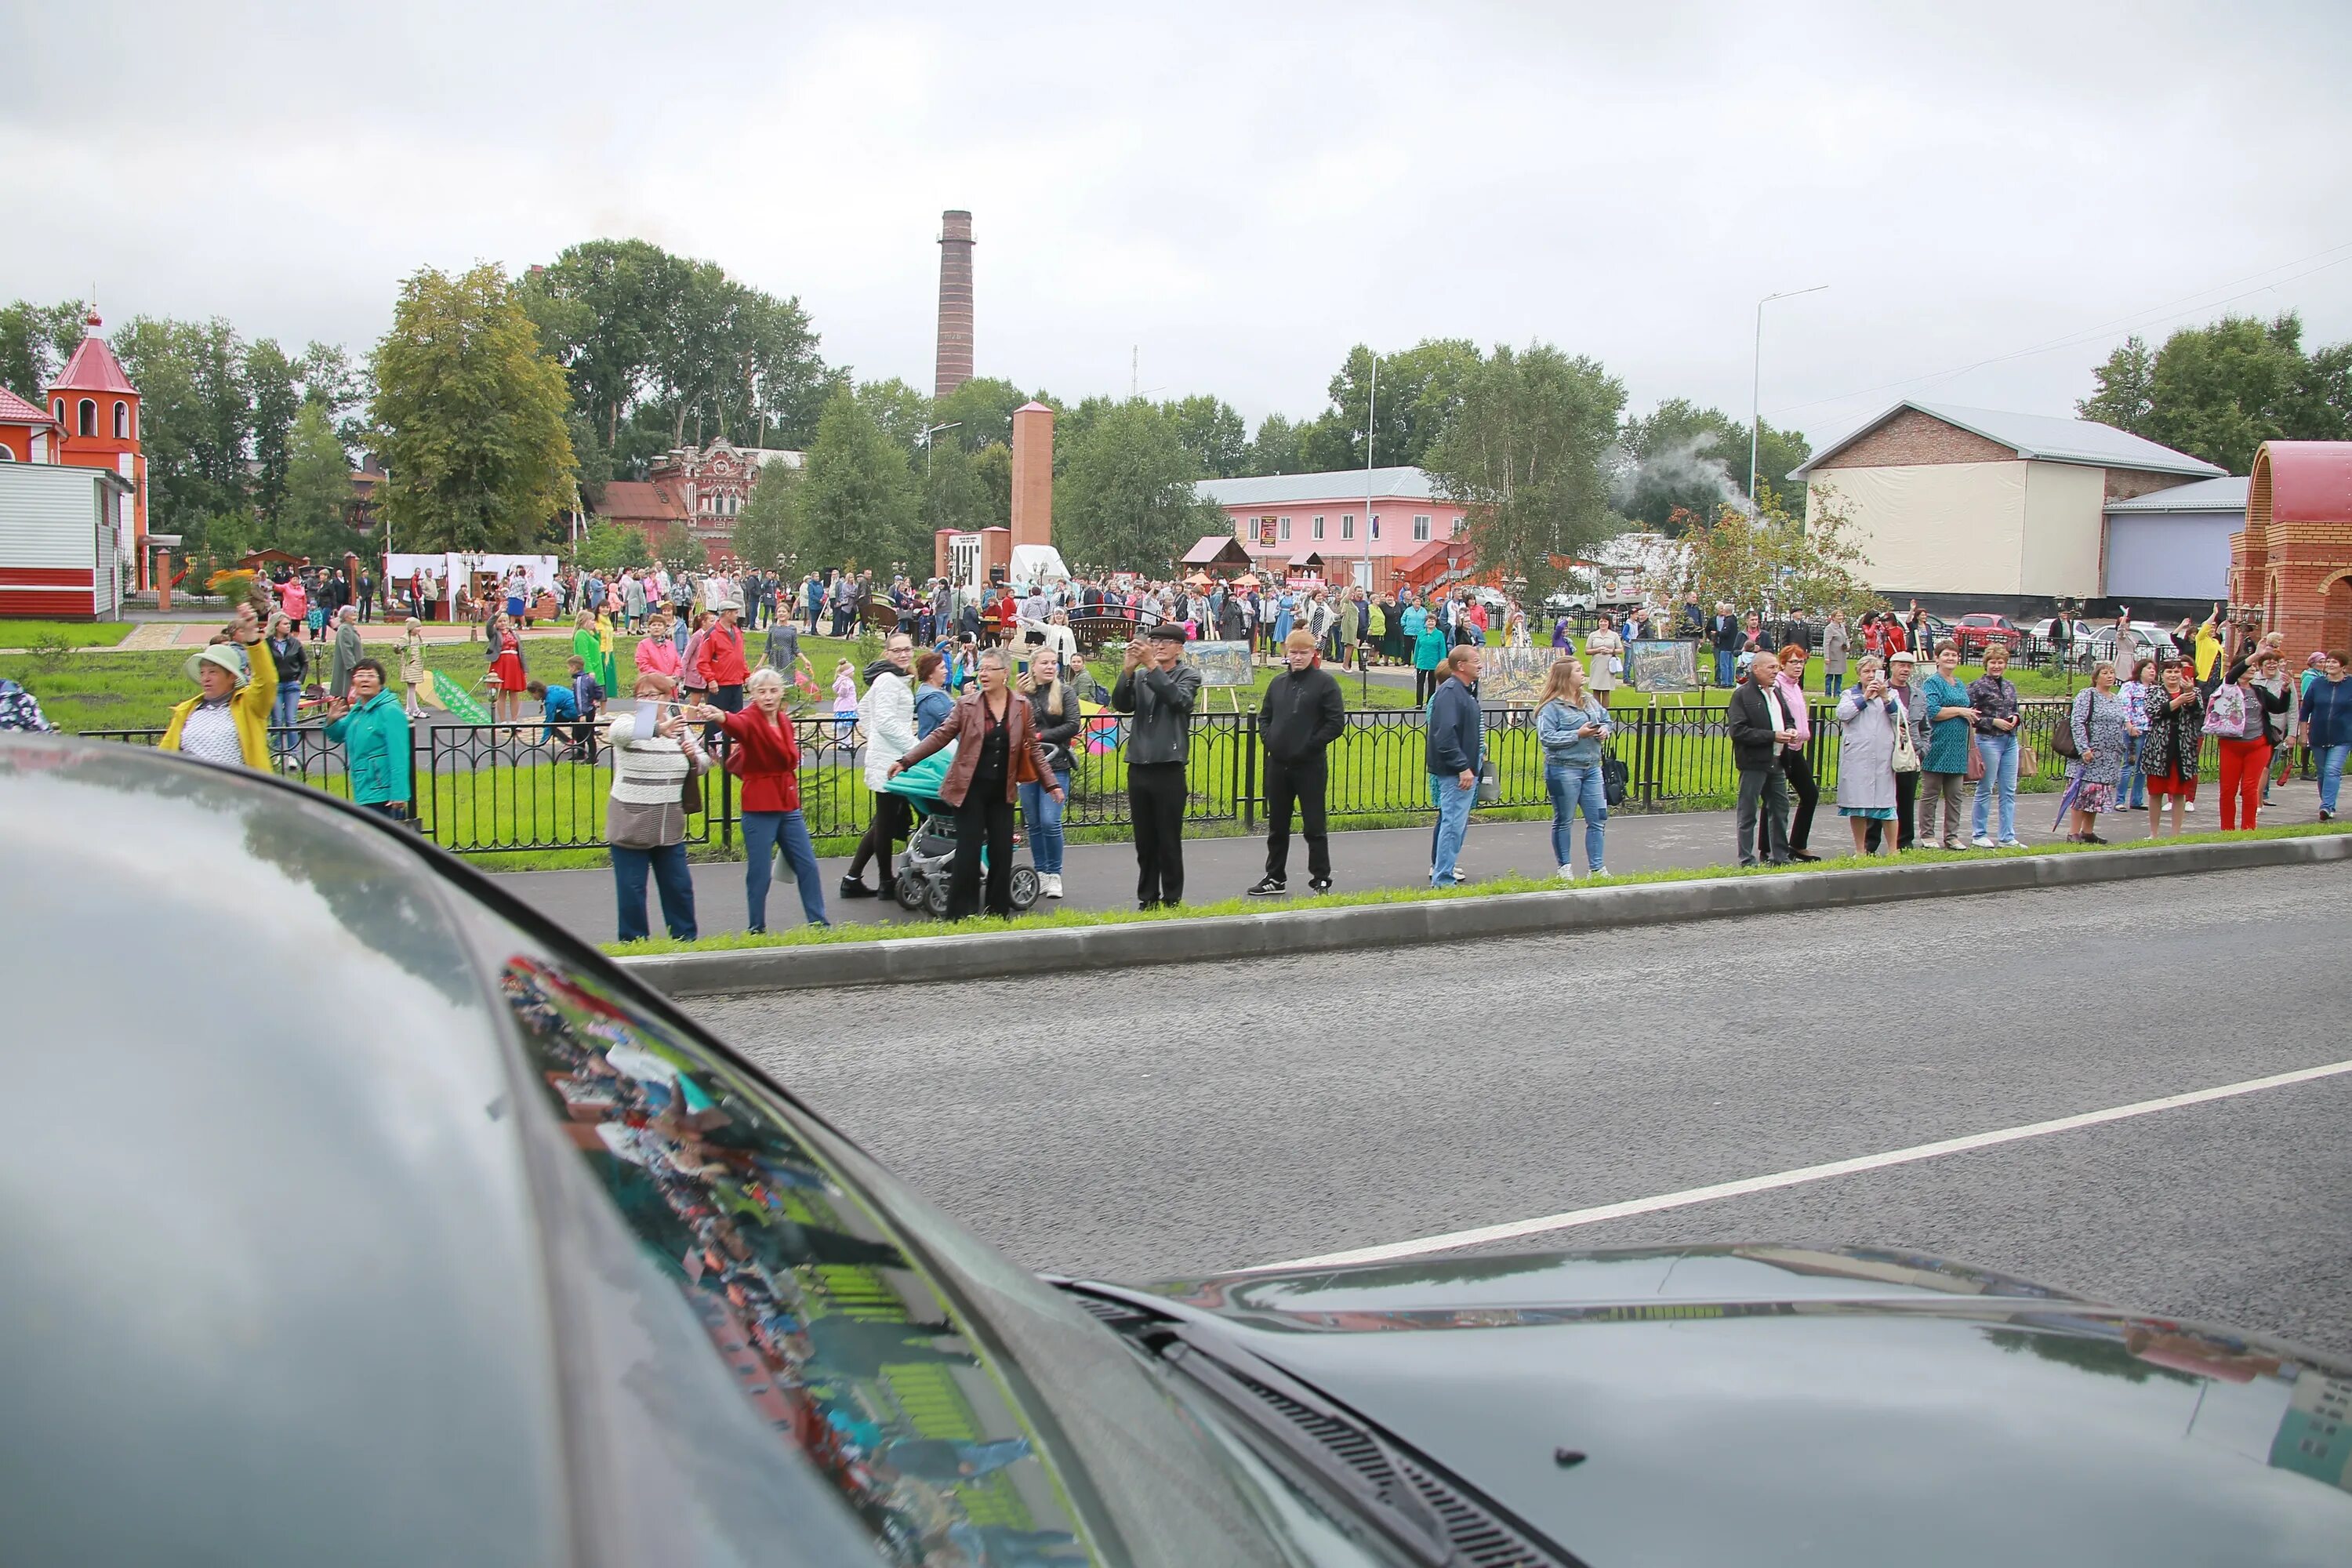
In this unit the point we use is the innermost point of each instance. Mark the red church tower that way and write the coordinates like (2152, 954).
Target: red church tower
(97, 413)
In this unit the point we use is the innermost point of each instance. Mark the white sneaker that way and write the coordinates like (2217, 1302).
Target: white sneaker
(1052, 880)
(2189, 805)
(1982, 842)
(1568, 873)
(2012, 844)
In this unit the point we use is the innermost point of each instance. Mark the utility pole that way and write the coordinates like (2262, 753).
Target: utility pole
(1756, 383)
(1372, 424)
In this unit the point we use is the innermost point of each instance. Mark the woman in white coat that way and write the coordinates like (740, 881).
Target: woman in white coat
(1868, 713)
(889, 716)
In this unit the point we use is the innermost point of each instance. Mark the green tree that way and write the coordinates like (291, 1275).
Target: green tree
(1524, 456)
(329, 378)
(472, 415)
(678, 547)
(2125, 388)
(270, 386)
(35, 341)
(860, 504)
(982, 411)
(1419, 393)
(766, 529)
(1208, 428)
(610, 547)
(1678, 458)
(314, 512)
(992, 466)
(2221, 391)
(1127, 501)
(1809, 565)
(194, 420)
(902, 412)
(1277, 448)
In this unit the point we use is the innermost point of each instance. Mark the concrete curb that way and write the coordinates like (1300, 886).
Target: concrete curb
(907, 960)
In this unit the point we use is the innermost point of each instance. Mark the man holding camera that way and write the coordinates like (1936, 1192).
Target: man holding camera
(1158, 688)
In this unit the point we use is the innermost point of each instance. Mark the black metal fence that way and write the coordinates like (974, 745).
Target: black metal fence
(485, 789)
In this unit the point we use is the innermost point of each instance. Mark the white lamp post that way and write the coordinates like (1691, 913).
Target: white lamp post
(1756, 383)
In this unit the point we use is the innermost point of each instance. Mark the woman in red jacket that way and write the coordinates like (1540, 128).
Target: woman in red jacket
(765, 754)
(996, 737)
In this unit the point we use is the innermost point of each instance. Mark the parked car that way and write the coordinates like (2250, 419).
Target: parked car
(2148, 640)
(1566, 602)
(1975, 633)
(513, 1262)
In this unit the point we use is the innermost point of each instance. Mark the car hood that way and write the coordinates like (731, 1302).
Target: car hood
(1769, 1405)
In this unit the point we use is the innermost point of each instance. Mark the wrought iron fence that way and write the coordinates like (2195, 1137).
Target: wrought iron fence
(487, 788)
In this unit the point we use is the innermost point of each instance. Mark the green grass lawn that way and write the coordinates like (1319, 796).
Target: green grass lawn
(806, 936)
(71, 633)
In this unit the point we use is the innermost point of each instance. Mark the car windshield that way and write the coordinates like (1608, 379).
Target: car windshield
(954, 1409)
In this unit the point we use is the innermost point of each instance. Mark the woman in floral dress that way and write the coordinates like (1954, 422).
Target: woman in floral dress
(2098, 719)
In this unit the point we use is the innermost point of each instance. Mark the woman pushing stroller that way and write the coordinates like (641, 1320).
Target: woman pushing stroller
(997, 749)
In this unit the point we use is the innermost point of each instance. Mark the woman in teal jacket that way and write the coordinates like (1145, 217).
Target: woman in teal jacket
(1429, 650)
(372, 728)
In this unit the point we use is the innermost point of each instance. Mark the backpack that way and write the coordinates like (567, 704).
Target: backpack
(2225, 713)
(1614, 779)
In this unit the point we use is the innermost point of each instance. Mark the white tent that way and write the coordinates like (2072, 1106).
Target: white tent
(1036, 563)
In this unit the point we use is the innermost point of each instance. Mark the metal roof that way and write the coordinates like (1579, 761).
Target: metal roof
(2038, 437)
(2224, 494)
(1344, 485)
(15, 410)
(93, 367)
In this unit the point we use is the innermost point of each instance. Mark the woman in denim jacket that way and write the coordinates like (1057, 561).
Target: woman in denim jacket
(1572, 725)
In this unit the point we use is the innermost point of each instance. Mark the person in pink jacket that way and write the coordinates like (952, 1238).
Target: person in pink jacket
(1795, 765)
(656, 653)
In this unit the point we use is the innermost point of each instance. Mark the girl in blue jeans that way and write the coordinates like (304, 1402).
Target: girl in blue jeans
(1995, 700)
(1572, 725)
(1054, 704)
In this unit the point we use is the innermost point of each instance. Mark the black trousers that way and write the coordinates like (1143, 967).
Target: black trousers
(1906, 815)
(1155, 799)
(985, 820)
(1424, 684)
(1798, 768)
(1766, 788)
(892, 818)
(1303, 783)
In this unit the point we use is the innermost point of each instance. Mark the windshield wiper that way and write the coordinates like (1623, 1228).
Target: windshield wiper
(1332, 1445)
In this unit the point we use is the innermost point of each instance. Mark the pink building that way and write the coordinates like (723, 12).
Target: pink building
(1320, 523)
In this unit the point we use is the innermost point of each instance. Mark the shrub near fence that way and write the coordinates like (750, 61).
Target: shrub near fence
(482, 789)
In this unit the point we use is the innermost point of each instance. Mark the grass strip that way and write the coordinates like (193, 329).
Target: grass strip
(804, 936)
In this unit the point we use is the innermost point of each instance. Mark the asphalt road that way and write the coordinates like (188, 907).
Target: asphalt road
(1188, 1118)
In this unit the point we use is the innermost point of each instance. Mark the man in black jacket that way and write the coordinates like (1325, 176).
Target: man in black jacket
(1159, 689)
(1760, 726)
(1302, 713)
(1723, 633)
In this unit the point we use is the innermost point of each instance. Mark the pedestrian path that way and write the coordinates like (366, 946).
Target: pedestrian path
(1102, 876)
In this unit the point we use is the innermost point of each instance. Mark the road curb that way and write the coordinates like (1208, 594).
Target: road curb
(983, 955)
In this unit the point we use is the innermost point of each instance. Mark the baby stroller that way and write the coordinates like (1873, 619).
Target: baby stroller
(927, 864)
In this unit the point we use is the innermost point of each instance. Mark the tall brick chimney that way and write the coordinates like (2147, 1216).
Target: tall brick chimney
(955, 302)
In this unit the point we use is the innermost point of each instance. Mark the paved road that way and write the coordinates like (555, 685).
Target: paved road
(1190, 1119)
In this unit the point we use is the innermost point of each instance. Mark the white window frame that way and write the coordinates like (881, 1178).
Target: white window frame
(1347, 525)
(1317, 530)
(1282, 532)
(1421, 530)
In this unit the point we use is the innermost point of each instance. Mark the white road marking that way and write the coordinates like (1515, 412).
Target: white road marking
(1513, 1229)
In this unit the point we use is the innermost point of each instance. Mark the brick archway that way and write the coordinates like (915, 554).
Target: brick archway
(2336, 613)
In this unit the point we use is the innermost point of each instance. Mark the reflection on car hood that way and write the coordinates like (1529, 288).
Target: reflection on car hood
(1814, 1405)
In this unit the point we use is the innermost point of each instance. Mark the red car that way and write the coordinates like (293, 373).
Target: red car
(1973, 633)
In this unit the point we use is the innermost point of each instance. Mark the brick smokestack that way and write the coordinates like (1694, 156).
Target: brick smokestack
(955, 302)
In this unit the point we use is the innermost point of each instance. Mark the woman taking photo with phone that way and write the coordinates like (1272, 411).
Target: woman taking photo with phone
(1995, 700)
(1869, 714)
(2168, 753)
(995, 744)
(645, 819)
(1573, 726)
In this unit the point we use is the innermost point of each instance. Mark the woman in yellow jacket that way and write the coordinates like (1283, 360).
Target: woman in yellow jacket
(229, 721)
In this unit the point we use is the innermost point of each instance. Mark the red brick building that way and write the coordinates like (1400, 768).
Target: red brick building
(702, 487)
(2294, 561)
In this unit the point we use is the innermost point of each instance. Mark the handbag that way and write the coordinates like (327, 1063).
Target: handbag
(2225, 714)
(2061, 739)
(1906, 757)
(1615, 778)
(1976, 757)
(1490, 788)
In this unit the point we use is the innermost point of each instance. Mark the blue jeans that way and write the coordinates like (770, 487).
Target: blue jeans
(1832, 682)
(764, 832)
(2331, 772)
(1042, 813)
(1571, 785)
(668, 867)
(1723, 663)
(2000, 753)
(283, 715)
(2131, 790)
(1453, 803)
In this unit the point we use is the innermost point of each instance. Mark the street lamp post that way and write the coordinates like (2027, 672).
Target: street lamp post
(932, 494)
(1372, 424)
(1756, 383)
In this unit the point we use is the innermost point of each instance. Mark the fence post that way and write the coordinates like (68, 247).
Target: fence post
(726, 796)
(1246, 758)
(1646, 753)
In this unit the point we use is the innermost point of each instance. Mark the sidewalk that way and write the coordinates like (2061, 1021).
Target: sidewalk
(1102, 876)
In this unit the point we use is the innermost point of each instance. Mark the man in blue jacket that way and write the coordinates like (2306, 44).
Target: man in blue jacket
(1456, 742)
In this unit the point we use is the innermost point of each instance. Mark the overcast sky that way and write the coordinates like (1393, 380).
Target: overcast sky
(1236, 194)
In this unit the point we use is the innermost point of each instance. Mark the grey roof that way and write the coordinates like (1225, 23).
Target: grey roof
(2041, 437)
(2225, 494)
(1346, 484)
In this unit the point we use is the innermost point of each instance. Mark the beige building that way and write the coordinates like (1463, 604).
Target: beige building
(1967, 509)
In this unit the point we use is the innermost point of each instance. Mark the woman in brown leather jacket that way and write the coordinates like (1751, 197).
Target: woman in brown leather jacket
(996, 737)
